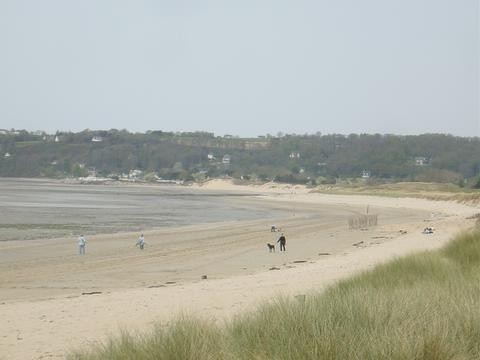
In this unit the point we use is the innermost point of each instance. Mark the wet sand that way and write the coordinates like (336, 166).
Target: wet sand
(32, 209)
(42, 281)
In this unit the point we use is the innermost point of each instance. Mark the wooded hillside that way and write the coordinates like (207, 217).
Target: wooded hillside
(289, 158)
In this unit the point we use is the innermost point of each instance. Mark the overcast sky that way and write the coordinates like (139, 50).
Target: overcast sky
(245, 67)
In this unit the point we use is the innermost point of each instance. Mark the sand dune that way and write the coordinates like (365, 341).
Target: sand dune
(44, 313)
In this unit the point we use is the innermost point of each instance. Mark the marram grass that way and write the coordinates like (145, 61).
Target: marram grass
(422, 307)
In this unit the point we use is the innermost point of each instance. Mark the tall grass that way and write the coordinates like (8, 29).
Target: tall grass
(431, 191)
(425, 306)
(183, 338)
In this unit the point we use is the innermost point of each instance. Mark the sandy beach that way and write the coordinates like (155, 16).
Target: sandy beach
(53, 300)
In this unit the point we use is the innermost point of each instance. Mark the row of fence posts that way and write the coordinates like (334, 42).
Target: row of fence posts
(363, 221)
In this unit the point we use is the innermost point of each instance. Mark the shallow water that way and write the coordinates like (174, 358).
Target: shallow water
(34, 209)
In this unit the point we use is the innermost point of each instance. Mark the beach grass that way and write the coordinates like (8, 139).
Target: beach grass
(425, 306)
(431, 191)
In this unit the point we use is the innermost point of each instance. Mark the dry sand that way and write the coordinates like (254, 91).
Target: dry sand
(44, 314)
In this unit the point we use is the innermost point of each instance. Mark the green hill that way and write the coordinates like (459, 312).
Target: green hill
(311, 159)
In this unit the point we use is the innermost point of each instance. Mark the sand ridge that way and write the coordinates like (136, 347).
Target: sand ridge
(45, 314)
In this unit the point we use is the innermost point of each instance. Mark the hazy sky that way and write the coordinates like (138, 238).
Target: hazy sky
(245, 67)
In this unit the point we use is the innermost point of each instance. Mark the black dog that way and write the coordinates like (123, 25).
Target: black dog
(271, 247)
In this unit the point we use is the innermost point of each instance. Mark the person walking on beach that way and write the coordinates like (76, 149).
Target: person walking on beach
(81, 245)
(282, 240)
(141, 242)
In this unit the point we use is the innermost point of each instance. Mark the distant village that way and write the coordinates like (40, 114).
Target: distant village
(136, 175)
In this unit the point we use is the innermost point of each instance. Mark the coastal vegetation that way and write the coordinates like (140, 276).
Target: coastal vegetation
(424, 306)
(304, 159)
(431, 191)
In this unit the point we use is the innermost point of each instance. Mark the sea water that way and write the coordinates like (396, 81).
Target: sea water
(34, 208)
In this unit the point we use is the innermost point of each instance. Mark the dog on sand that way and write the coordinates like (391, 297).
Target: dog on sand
(271, 247)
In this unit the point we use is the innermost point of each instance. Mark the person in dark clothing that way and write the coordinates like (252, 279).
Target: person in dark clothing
(282, 240)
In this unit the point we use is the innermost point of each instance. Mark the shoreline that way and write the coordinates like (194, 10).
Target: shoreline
(51, 326)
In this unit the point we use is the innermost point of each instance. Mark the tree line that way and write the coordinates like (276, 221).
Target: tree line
(289, 158)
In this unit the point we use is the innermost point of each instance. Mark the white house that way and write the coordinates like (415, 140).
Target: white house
(97, 139)
(294, 155)
(211, 157)
(7, 155)
(135, 173)
(226, 159)
(421, 160)
(365, 174)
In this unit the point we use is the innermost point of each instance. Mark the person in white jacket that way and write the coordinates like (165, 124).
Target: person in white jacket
(81, 244)
(141, 242)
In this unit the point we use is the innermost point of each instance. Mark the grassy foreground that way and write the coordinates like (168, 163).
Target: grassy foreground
(424, 306)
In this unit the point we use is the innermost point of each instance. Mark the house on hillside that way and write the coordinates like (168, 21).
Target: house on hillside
(211, 157)
(366, 174)
(7, 155)
(294, 155)
(421, 160)
(226, 159)
(97, 139)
